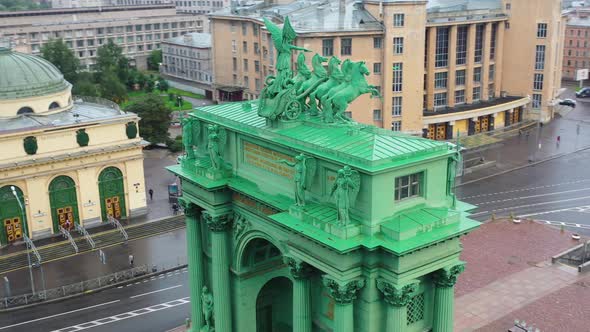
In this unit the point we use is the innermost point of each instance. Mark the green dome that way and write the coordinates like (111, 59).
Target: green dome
(24, 75)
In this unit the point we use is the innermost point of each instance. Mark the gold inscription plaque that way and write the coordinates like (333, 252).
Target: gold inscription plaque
(267, 159)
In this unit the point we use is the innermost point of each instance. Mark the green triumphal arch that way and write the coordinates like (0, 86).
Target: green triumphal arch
(299, 219)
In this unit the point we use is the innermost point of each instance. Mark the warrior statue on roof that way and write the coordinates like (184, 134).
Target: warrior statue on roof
(282, 40)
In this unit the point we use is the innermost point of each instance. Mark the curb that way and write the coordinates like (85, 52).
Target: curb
(523, 166)
(92, 291)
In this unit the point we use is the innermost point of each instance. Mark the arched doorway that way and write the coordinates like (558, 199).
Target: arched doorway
(112, 193)
(64, 202)
(11, 215)
(274, 306)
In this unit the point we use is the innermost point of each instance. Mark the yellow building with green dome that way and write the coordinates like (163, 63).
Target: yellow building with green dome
(69, 159)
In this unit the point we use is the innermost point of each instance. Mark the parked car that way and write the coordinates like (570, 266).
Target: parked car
(568, 102)
(583, 93)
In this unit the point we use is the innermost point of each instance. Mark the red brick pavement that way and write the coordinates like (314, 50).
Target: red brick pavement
(498, 249)
(566, 310)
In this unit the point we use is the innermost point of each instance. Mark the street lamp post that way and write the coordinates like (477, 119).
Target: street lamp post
(26, 235)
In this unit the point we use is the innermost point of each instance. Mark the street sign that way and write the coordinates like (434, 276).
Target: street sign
(581, 74)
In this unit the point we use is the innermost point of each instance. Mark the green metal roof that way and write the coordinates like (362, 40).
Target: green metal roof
(24, 75)
(362, 146)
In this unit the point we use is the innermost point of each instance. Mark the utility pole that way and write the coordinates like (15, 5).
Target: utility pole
(7, 287)
(538, 134)
(26, 236)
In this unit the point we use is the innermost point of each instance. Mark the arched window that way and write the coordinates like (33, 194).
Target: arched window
(25, 110)
(53, 105)
(259, 251)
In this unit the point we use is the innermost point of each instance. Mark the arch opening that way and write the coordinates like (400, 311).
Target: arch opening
(274, 306)
(25, 110)
(112, 193)
(63, 202)
(54, 105)
(260, 252)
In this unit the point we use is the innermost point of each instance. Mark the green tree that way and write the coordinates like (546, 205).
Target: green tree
(58, 53)
(155, 118)
(163, 85)
(154, 60)
(110, 58)
(111, 87)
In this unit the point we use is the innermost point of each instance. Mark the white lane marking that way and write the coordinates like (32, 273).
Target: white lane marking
(125, 315)
(529, 205)
(567, 224)
(156, 291)
(575, 209)
(60, 314)
(533, 196)
(524, 189)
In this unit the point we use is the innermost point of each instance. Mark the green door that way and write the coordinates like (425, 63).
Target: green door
(64, 203)
(12, 228)
(112, 193)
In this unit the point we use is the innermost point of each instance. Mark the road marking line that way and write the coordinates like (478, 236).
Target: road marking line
(60, 314)
(550, 211)
(125, 315)
(534, 204)
(156, 291)
(533, 196)
(524, 189)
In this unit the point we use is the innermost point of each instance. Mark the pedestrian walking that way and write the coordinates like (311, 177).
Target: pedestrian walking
(151, 192)
(175, 208)
(67, 224)
(558, 139)
(131, 260)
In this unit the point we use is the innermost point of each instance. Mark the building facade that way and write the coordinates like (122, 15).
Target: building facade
(477, 72)
(577, 43)
(137, 29)
(187, 59)
(201, 6)
(70, 161)
(295, 224)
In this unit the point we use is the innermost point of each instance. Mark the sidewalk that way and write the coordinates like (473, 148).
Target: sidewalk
(516, 151)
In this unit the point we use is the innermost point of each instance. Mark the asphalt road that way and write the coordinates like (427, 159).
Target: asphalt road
(157, 304)
(557, 191)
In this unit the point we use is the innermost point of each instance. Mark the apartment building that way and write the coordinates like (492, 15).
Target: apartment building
(137, 29)
(442, 66)
(577, 43)
(201, 6)
(187, 60)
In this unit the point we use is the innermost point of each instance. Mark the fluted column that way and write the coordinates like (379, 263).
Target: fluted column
(343, 294)
(194, 247)
(397, 298)
(444, 297)
(301, 294)
(219, 226)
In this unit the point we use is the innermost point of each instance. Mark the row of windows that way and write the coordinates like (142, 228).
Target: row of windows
(441, 53)
(441, 78)
(441, 98)
(578, 44)
(578, 53)
(578, 33)
(582, 63)
(245, 65)
(111, 30)
(346, 45)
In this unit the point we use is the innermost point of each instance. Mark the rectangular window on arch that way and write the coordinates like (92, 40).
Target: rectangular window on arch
(408, 186)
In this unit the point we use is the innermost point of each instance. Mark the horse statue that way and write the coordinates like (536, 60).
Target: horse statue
(338, 102)
(327, 112)
(335, 77)
(303, 72)
(319, 73)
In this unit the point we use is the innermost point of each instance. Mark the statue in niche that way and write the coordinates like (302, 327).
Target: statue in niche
(187, 138)
(215, 142)
(304, 171)
(346, 188)
(207, 302)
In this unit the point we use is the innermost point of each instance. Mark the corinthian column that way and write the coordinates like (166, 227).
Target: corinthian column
(343, 294)
(397, 298)
(444, 297)
(192, 214)
(301, 272)
(219, 226)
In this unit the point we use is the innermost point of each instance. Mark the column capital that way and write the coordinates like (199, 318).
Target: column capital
(343, 293)
(299, 269)
(398, 296)
(220, 223)
(447, 277)
(190, 210)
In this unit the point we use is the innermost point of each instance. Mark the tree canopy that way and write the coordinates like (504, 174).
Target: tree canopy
(154, 60)
(110, 58)
(58, 53)
(16, 5)
(155, 118)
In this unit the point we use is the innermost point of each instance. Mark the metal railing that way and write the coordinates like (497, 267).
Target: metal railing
(80, 229)
(118, 226)
(68, 236)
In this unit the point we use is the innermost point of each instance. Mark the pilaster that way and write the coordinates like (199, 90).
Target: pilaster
(397, 298)
(343, 293)
(219, 226)
(444, 300)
